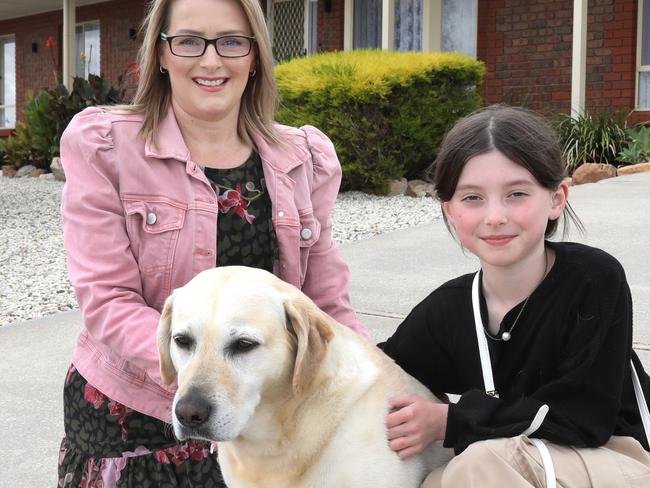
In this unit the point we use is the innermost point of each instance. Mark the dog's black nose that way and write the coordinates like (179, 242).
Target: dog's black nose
(192, 410)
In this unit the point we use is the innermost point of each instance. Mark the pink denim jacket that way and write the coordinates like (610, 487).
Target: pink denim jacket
(140, 220)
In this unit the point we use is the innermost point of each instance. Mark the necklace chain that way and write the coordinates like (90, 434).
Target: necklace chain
(506, 335)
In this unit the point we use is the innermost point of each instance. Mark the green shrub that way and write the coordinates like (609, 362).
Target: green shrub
(48, 113)
(386, 112)
(637, 147)
(16, 149)
(591, 139)
(41, 132)
(85, 93)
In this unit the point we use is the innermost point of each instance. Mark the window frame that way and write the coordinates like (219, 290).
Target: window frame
(4, 106)
(79, 49)
(640, 68)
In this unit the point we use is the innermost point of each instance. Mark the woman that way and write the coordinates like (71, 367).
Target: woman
(195, 173)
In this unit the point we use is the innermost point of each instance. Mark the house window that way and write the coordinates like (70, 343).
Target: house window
(87, 58)
(408, 25)
(644, 55)
(367, 24)
(7, 82)
(459, 25)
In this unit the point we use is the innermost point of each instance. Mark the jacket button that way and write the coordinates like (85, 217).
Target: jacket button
(305, 234)
(151, 218)
(280, 213)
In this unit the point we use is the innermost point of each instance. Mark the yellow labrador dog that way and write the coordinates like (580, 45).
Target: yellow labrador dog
(293, 398)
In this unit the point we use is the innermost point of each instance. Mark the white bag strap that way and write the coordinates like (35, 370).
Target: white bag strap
(483, 350)
(547, 462)
(640, 400)
(488, 380)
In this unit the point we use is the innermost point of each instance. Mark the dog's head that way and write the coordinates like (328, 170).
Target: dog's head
(237, 337)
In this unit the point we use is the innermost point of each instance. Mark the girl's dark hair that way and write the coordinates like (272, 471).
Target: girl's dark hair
(519, 134)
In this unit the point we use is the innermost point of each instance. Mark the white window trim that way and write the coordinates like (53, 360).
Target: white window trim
(579, 57)
(2, 107)
(431, 25)
(639, 67)
(348, 25)
(99, 48)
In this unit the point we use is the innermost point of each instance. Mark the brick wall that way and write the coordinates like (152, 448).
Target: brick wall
(611, 55)
(35, 70)
(330, 25)
(526, 47)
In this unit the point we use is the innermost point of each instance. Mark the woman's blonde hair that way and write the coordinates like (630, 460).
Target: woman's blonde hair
(153, 95)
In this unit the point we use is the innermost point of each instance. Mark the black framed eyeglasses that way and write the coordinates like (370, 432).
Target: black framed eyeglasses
(194, 46)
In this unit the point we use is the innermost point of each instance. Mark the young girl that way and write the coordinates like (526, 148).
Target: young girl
(556, 317)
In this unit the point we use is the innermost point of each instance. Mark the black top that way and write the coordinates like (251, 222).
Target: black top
(245, 233)
(570, 350)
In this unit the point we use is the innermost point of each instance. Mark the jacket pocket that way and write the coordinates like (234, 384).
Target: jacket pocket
(154, 226)
(308, 235)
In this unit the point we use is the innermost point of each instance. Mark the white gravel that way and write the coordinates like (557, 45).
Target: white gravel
(33, 275)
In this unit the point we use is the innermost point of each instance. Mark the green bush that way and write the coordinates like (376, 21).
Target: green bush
(85, 93)
(637, 147)
(48, 113)
(16, 149)
(591, 139)
(41, 130)
(386, 112)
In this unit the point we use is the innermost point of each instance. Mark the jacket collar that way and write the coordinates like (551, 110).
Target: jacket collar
(281, 157)
(170, 143)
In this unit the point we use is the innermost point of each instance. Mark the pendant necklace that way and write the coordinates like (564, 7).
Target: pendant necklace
(506, 335)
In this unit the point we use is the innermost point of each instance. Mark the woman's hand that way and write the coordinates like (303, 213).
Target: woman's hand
(413, 423)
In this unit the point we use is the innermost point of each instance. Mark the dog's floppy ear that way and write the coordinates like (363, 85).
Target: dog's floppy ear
(309, 325)
(167, 370)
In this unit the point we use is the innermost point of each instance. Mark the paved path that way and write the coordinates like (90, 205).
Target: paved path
(390, 274)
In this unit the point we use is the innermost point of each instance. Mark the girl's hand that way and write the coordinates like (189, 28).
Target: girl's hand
(413, 423)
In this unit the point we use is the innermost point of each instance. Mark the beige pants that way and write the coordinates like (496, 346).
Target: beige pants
(516, 462)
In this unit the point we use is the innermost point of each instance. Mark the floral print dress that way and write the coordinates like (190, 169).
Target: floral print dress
(108, 445)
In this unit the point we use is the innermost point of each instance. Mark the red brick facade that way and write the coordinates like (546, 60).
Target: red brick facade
(611, 55)
(35, 70)
(330, 25)
(527, 49)
(526, 46)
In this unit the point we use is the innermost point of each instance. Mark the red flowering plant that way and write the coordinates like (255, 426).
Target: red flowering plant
(134, 69)
(50, 45)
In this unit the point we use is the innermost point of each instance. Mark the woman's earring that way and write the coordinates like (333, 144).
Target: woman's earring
(163, 70)
(252, 73)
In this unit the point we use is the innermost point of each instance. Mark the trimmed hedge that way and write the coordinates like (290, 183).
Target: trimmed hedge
(385, 111)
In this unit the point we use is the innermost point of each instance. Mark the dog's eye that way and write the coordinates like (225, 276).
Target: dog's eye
(183, 341)
(243, 345)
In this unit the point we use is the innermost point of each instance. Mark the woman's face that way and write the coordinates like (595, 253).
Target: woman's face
(209, 87)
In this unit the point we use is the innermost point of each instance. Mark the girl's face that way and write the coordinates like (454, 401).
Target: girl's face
(208, 87)
(499, 211)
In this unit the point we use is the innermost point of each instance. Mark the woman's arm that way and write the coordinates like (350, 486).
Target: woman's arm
(101, 266)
